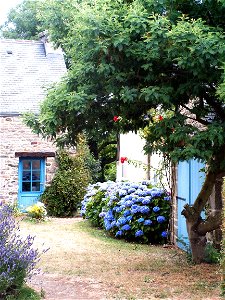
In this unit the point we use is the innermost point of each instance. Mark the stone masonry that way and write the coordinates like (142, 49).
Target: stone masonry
(17, 137)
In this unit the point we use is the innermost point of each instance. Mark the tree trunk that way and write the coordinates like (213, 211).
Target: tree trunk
(196, 227)
(197, 243)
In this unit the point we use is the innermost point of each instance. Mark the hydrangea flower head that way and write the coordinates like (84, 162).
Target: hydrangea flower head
(146, 200)
(144, 209)
(113, 224)
(119, 233)
(167, 198)
(134, 185)
(126, 213)
(164, 234)
(122, 192)
(140, 220)
(128, 197)
(122, 221)
(131, 190)
(161, 219)
(156, 209)
(139, 233)
(118, 209)
(126, 227)
(135, 209)
(147, 222)
(129, 203)
(129, 218)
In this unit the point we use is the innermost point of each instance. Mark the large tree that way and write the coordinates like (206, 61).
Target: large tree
(158, 65)
(23, 21)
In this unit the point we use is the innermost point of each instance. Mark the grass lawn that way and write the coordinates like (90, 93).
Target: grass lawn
(126, 270)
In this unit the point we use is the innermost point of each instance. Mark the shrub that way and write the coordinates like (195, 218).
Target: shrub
(63, 197)
(17, 257)
(129, 210)
(37, 211)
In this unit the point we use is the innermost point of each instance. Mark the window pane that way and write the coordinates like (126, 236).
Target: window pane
(26, 187)
(36, 164)
(26, 164)
(35, 186)
(36, 175)
(26, 176)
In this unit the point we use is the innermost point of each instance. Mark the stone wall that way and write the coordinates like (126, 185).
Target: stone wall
(16, 137)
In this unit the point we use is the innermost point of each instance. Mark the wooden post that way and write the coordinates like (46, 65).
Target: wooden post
(223, 243)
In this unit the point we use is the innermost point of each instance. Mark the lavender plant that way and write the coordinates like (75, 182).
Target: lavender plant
(18, 259)
(133, 211)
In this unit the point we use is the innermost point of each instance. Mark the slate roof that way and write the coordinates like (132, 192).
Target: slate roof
(26, 69)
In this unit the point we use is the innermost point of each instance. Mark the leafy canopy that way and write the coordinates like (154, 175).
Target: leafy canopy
(140, 60)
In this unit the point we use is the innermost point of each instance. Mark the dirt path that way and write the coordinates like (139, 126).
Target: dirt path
(58, 287)
(84, 265)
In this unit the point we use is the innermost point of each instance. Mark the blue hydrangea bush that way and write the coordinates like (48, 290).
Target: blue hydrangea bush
(133, 211)
(17, 256)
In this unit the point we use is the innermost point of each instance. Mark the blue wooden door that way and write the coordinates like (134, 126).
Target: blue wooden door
(190, 180)
(31, 181)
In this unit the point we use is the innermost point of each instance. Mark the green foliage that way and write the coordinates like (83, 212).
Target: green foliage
(160, 60)
(63, 197)
(23, 21)
(212, 255)
(25, 293)
(110, 171)
(94, 207)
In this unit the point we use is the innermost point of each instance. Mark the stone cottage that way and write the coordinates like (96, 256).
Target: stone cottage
(27, 68)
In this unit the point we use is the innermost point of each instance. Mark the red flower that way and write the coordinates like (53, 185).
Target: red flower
(116, 118)
(160, 118)
(123, 159)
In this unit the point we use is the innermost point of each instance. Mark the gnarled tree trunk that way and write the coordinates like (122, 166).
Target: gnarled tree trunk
(196, 226)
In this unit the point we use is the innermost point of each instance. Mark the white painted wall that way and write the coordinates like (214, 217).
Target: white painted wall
(131, 146)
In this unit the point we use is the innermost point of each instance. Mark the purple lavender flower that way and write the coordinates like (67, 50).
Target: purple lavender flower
(17, 256)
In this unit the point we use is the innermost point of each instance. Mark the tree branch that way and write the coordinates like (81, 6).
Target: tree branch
(192, 213)
(211, 223)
